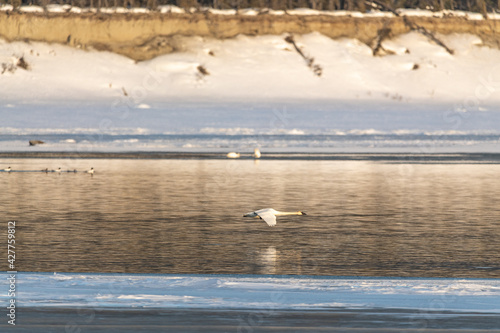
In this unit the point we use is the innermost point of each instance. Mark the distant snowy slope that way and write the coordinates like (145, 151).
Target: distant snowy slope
(257, 69)
(422, 97)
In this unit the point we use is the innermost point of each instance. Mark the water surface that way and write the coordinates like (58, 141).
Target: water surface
(368, 217)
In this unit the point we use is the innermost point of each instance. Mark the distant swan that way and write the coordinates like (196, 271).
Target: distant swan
(91, 171)
(233, 155)
(58, 170)
(269, 215)
(7, 170)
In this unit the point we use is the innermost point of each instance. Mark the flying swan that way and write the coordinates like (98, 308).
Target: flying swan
(269, 215)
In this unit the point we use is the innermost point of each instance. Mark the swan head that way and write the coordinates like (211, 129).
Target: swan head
(251, 214)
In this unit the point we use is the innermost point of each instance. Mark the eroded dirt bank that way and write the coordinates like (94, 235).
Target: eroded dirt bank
(145, 36)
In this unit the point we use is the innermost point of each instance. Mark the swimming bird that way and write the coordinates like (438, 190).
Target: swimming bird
(58, 170)
(91, 171)
(233, 155)
(269, 215)
(7, 170)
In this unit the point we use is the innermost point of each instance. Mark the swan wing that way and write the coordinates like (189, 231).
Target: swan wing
(269, 217)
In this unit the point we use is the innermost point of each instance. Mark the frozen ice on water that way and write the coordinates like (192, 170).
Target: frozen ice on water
(244, 291)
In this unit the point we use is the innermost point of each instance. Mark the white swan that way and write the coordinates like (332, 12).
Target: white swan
(233, 155)
(91, 171)
(269, 215)
(58, 170)
(7, 170)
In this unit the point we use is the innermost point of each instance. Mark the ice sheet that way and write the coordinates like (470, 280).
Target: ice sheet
(253, 292)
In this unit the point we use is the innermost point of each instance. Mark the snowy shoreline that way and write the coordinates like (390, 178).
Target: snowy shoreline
(414, 100)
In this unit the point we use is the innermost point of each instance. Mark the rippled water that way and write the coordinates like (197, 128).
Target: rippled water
(185, 216)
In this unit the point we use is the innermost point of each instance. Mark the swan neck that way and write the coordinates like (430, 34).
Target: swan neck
(289, 213)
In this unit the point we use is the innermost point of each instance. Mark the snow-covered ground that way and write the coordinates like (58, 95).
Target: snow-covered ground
(255, 86)
(259, 68)
(253, 292)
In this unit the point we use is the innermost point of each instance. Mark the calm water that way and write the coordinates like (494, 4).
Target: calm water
(339, 141)
(185, 216)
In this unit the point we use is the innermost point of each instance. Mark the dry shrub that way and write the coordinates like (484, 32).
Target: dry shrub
(23, 64)
(8, 67)
(202, 71)
(317, 69)
(13, 65)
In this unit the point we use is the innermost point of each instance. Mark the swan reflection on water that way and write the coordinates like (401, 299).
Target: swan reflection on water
(267, 258)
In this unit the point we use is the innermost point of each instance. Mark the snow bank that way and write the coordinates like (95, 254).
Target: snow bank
(260, 68)
(32, 9)
(254, 292)
(54, 8)
(171, 9)
(444, 13)
(6, 8)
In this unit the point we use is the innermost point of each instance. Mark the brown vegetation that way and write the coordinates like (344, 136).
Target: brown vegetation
(36, 142)
(202, 71)
(385, 32)
(17, 62)
(482, 6)
(317, 69)
(23, 64)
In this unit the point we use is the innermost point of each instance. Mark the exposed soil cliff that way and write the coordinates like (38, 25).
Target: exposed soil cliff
(145, 36)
